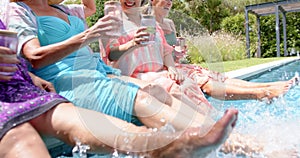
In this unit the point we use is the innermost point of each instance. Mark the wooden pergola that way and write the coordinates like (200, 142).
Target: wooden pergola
(263, 9)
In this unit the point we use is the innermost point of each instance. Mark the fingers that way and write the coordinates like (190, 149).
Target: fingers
(110, 17)
(8, 68)
(141, 36)
(49, 87)
(108, 26)
(7, 56)
(8, 59)
(5, 78)
(5, 51)
(175, 75)
(6, 72)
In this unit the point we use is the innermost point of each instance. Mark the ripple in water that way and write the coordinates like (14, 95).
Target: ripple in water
(275, 126)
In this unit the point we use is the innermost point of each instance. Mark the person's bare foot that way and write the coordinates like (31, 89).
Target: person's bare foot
(268, 93)
(190, 144)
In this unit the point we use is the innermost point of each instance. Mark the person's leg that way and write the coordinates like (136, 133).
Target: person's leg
(247, 84)
(225, 91)
(201, 146)
(154, 104)
(103, 133)
(151, 111)
(23, 141)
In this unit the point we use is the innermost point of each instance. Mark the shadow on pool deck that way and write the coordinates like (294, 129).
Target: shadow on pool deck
(245, 73)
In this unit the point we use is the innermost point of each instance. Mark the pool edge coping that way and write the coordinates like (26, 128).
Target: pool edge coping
(256, 69)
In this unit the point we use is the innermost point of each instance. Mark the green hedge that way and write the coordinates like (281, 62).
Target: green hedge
(235, 25)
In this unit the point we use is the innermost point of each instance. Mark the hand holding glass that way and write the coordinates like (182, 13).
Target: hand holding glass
(114, 8)
(9, 40)
(180, 44)
(149, 22)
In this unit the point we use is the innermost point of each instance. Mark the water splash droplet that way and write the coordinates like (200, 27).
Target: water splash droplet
(80, 150)
(168, 128)
(115, 154)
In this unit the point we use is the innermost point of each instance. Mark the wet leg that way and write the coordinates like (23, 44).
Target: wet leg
(23, 141)
(191, 145)
(151, 111)
(103, 132)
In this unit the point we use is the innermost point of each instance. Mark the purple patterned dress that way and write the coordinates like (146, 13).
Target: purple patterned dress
(21, 100)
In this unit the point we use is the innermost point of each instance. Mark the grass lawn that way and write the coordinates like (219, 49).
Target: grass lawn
(238, 64)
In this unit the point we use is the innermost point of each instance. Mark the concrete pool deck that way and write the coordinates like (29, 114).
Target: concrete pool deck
(245, 73)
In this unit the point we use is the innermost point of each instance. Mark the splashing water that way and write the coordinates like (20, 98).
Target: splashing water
(80, 150)
(274, 126)
(127, 139)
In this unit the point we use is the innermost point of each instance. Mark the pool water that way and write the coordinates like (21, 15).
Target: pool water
(277, 124)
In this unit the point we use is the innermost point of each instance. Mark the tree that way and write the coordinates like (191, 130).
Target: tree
(208, 12)
(99, 12)
(92, 19)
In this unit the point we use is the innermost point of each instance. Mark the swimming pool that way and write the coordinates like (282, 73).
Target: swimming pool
(276, 124)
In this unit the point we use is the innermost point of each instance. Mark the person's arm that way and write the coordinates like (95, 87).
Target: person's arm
(173, 72)
(43, 56)
(89, 7)
(116, 50)
(168, 58)
(43, 84)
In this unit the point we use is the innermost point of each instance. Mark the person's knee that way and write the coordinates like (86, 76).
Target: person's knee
(23, 140)
(159, 93)
(53, 118)
(18, 131)
(22, 136)
(207, 88)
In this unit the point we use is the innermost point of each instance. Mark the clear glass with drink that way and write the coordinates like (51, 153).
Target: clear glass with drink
(180, 44)
(149, 22)
(114, 8)
(8, 39)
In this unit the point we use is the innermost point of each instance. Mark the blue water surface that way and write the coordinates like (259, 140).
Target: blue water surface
(276, 123)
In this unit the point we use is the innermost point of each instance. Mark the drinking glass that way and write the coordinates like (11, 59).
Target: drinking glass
(114, 8)
(8, 39)
(149, 22)
(180, 44)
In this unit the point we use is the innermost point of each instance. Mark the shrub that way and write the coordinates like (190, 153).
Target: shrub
(216, 48)
(236, 25)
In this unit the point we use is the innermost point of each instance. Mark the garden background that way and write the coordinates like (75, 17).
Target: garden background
(215, 30)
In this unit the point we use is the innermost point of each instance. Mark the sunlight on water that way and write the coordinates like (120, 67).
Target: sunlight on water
(276, 125)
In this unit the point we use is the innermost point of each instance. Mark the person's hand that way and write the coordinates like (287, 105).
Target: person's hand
(43, 84)
(7, 56)
(104, 27)
(140, 36)
(175, 75)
